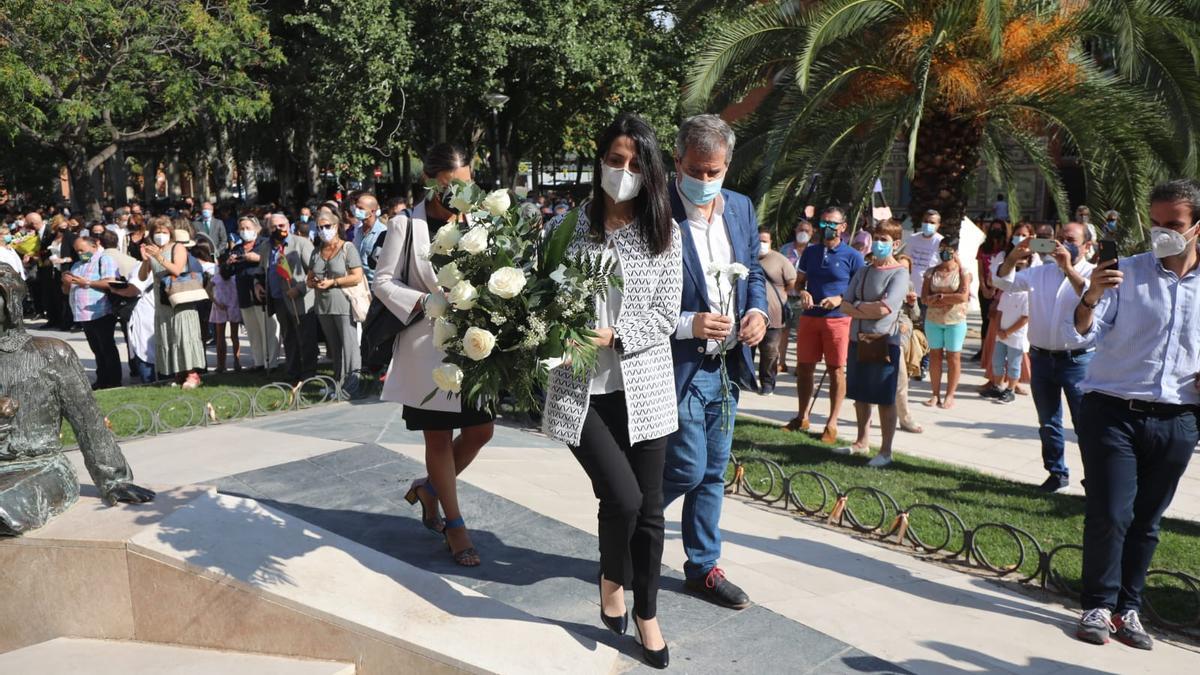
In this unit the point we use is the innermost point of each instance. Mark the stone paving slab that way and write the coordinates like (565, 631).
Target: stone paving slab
(534, 563)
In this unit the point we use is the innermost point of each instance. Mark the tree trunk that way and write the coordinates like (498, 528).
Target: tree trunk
(84, 198)
(119, 176)
(150, 179)
(947, 155)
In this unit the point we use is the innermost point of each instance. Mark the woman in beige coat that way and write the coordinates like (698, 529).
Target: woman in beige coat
(410, 379)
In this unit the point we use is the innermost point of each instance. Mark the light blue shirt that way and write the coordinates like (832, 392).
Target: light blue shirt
(365, 243)
(1147, 334)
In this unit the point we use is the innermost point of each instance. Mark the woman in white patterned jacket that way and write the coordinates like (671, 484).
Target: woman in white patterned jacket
(617, 419)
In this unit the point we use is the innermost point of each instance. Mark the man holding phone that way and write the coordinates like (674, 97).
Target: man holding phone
(1059, 357)
(1138, 417)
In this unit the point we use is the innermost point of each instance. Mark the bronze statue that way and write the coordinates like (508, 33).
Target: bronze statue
(42, 382)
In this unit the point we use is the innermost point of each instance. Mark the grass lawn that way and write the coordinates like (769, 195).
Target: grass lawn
(1053, 519)
(229, 393)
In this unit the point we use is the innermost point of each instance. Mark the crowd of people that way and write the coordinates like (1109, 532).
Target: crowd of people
(878, 307)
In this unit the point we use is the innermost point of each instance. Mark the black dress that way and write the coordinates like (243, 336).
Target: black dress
(422, 419)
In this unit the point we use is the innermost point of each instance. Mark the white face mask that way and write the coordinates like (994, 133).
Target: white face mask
(763, 248)
(247, 235)
(326, 234)
(803, 238)
(620, 184)
(162, 239)
(1166, 242)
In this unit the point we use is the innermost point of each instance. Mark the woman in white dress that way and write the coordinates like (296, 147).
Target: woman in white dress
(410, 378)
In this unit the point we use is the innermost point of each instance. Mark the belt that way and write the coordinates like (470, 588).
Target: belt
(1062, 353)
(1146, 407)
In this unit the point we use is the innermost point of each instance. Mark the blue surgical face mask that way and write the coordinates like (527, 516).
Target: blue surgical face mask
(699, 192)
(1073, 250)
(206, 214)
(928, 229)
(881, 249)
(361, 214)
(303, 218)
(8, 238)
(1110, 226)
(1017, 239)
(946, 256)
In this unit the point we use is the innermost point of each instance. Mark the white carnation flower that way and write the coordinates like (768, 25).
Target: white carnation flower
(506, 282)
(497, 203)
(478, 343)
(475, 241)
(716, 269)
(445, 239)
(449, 276)
(448, 377)
(559, 276)
(463, 295)
(737, 271)
(436, 306)
(443, 332)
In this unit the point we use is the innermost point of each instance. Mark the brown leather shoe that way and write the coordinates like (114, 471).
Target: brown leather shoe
(830, 436)
(797, 424)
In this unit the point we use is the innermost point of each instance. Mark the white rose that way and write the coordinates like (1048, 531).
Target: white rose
(445, 238)
(716, 269)
(463, 295)
(478, 343)
(497, 203)
(443, 332)
(436, 306)
(448, 377)
(449, 276)
(475, 241)
(506, 282)
(737, 271)
(460, 203)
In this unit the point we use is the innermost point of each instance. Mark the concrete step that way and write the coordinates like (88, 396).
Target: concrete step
(68, 656)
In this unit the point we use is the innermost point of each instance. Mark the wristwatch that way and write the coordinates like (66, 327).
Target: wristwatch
(617, 345)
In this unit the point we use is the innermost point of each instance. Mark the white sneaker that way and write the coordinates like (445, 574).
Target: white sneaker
(849, 450)
(880, 461)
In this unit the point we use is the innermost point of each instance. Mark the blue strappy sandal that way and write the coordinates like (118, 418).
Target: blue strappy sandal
(468, 557)
(434, 524)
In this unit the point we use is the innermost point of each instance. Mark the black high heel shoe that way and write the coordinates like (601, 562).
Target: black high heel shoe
(617, 624)
(659, 659)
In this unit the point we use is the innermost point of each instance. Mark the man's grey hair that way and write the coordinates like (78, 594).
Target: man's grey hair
(706, 134)
(1179, 190)
(833, 209)
(123, 211)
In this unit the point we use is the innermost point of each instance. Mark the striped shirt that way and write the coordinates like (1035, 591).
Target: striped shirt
(89, 304)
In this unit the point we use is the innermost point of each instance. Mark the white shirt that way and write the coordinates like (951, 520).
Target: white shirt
(12, 259)
(712, 245)
(1012, 306)
(1051, 300)
(608, 378)
(122, 236)
(924, 253)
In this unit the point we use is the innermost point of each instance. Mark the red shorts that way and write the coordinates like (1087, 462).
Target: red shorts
(818, 337)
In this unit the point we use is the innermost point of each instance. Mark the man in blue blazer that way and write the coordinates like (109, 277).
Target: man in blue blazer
(718, 227)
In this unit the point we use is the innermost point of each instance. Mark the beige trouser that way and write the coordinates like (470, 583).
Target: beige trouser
(903, 417)
(263, 332)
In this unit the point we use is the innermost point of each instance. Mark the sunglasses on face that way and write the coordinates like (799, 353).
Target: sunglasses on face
(326, 227)
(828, 224)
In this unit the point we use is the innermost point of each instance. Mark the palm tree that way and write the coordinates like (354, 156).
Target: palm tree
(960, 83)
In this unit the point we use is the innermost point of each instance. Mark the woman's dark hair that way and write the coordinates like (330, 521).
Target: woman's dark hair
(444, 157)
(650, 206)
(1023, 225)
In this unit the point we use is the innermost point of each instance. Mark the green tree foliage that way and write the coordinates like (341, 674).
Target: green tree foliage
(84, 77)
(1113, 81)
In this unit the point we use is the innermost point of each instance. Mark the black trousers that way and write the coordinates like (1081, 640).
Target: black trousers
(985, 308)
(1132, 463)
(627, 479)
(101, 338)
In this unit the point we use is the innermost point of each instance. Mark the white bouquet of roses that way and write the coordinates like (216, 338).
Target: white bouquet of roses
(511, 301)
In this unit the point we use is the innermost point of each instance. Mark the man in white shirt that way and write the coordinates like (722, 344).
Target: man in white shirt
(1059, 358)
(922, 246)
(717, 227)
(120, 227)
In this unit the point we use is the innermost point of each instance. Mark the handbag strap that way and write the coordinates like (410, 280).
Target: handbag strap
(408, 245)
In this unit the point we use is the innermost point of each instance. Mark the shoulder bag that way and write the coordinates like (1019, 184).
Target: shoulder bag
(359, 295)
(872, 347)
(381, 326)
(187, 287)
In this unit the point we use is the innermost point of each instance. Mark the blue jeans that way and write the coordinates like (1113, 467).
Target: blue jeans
(697, 455)
(142, 370)
(1132, 462)
(1051, 377)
